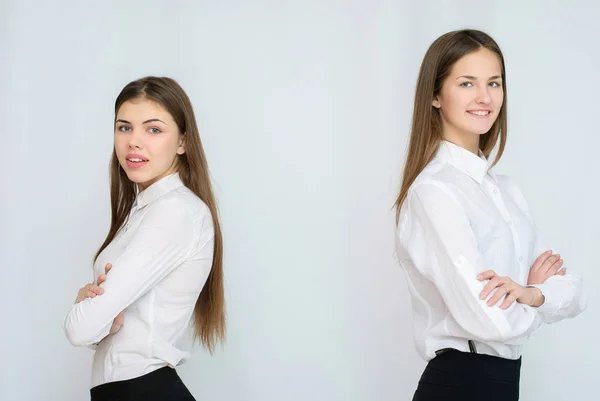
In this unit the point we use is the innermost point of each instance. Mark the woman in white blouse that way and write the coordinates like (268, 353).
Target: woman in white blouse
(160, 267)
(480, 280)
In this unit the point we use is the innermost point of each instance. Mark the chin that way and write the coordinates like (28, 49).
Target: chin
(480, 130)
(136, 177)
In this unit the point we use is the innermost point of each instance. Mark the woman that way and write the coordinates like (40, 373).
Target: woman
(479, 281)
(161, 263)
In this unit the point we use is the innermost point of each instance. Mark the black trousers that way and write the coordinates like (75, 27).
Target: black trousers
(463, 376)
(163, 384)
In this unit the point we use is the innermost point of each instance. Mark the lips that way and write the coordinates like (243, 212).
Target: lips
(135, 160)
(479, 113)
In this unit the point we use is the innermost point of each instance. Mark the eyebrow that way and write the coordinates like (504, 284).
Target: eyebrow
(475, 78)
(145, 122)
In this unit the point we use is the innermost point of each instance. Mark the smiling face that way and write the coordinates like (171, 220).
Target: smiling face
(147, 141)
(471, 98)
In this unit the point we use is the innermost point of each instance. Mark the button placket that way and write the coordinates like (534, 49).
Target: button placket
(499, 202)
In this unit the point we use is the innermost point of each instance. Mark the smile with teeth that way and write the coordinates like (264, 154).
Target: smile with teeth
(479, 112)
(136, 160)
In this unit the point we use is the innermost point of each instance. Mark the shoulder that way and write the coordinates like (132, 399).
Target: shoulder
(180, 207)
(436, 183)
(433, 193)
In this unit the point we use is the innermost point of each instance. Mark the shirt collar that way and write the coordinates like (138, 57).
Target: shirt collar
(474, 166)
(157, 189)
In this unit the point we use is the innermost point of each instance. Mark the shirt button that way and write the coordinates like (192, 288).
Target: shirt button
(510, 223)
(496, 191)
(520, 258)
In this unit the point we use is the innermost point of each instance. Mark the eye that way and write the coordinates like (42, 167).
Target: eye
(123, 128)
(466, 84)
(154, 130)
(494, 84)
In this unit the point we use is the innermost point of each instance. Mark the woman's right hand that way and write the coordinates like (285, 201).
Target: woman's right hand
(544, 267)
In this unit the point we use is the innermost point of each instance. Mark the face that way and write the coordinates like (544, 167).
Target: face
(147, 141)
(471, 97)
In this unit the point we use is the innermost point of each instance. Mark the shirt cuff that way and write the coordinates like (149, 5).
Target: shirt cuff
(552, 301)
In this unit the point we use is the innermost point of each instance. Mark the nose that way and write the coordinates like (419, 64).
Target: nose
(135, 139)
(483, 95)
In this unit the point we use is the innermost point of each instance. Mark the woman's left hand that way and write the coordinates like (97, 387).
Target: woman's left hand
(506, 287)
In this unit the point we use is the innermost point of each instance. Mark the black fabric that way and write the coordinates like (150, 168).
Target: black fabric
(467, 376)
(163, 384)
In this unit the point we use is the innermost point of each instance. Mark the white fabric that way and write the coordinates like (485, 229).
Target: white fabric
(161, 259)
(460, 219)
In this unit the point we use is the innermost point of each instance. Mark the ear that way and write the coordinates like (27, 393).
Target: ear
(181, 148)
(436, 102)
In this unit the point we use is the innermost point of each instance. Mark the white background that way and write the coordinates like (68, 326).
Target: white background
(304, 110)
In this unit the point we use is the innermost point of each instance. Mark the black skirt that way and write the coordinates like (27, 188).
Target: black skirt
(163, 384)
(467, 376)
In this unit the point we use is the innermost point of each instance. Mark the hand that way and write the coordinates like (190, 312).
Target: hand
(90, 290)
(120, 319)
(117, 323)
(506, 287)
(102, 277)
(544, 267)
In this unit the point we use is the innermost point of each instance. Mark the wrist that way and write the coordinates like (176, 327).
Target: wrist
(538, 298)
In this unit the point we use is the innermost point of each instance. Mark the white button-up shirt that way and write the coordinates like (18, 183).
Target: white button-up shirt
(458, 220)
(161, 259)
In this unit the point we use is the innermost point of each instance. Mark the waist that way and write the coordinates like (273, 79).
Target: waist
(429, 344)
(135, 388)
(466, 367)
(117, 359)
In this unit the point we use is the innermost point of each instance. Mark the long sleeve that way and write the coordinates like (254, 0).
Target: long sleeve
(564, 295)
(164, 239)
(443, 247)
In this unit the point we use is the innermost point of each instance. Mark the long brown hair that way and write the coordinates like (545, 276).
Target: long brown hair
(209, 311)
(426, 131)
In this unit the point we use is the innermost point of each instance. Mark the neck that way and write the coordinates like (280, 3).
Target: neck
(469, 142)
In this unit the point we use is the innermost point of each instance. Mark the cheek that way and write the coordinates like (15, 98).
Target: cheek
(499, 99)
(163, 148)
(455, 102)
(120, 144)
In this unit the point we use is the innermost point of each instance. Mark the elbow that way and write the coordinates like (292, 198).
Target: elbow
(77, 335)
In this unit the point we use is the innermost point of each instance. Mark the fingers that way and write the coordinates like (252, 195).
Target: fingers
(547, 265)
(541, 259)
(555, 267)
(494, 282)
(93, 290)
(509, 300)
(88, 291)
(486, 275)
(102, 277)
(561, 272)
(504, 288)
